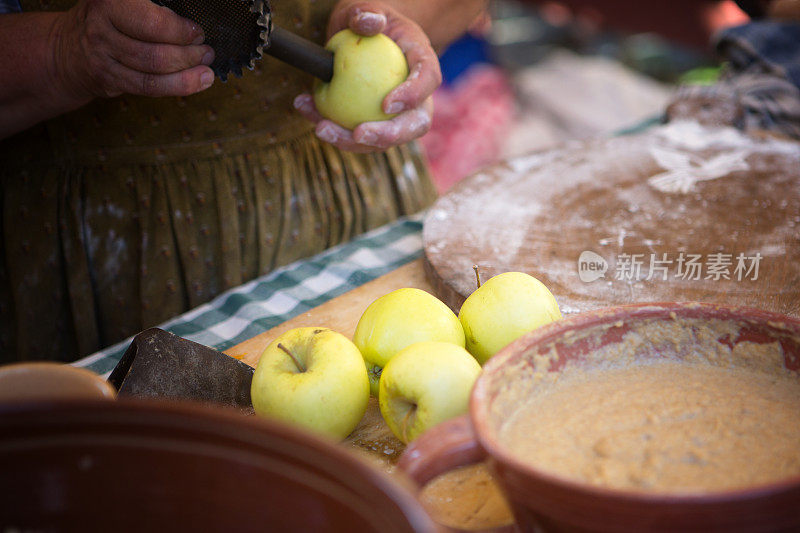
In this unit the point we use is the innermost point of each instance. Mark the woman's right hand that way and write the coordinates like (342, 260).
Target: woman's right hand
(104, 48)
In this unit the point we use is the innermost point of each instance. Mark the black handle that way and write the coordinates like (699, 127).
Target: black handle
(300, 53)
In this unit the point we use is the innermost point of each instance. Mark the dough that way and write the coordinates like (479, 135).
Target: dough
(662, 426)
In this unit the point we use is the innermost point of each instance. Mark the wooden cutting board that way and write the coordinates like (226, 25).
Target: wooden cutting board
(668, 214)
(467, 498)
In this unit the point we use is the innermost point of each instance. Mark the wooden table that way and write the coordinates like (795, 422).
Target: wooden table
(466, 498)
(672, 193)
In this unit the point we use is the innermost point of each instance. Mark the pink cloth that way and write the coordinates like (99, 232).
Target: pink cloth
(470, 121)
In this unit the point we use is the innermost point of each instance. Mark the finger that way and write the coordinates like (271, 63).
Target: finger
(329, 131)
(363, 18)
(304, 104)
(425, 74)
(403, 128)
(181, 83)
(341, 138)
(332, 133)
(159, 58)
(145, 21)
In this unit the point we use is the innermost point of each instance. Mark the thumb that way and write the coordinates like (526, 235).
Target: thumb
(367, 23)
(364, 18)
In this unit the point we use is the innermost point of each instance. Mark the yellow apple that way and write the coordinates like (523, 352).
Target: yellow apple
(425, 384)
(365, 70)
(398, 319)
(503, 309)
(312, 377)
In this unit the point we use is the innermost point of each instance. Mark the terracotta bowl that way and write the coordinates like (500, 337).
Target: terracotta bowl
(543, 500)
(22, 382)
(136, 465)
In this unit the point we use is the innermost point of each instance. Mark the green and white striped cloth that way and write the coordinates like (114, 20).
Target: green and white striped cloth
(256, 306)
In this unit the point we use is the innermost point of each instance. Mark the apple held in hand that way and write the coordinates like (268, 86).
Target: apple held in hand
(425, 384)
(314, 377)
(399, 319)
(503, 309)
(365, 70)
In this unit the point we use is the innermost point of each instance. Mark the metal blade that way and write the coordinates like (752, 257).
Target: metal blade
(159, 364)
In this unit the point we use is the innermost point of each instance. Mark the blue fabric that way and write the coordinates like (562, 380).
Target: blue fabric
(9, 6)
(461, 55)
(769, 44)
(760, 78)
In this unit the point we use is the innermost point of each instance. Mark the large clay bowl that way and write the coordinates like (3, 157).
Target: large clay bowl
(146, 466)
(540, 499)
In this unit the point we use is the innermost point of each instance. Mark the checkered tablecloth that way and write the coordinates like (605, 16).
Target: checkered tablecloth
(250, 309)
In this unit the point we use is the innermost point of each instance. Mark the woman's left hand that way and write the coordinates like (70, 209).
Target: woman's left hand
(412, 100)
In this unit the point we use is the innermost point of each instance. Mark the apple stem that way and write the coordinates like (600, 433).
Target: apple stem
(296, 362)
(477, 275)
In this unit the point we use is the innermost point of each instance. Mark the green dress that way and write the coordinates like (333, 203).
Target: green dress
(132, 210)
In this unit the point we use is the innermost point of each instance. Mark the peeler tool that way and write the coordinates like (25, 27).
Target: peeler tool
(241, 31)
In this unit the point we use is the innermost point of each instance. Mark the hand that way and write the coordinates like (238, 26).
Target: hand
(109, 47)
(412, 99)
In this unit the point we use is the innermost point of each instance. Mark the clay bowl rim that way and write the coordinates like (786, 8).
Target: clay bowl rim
(220, 422)
(479, 416)
(93, 384)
